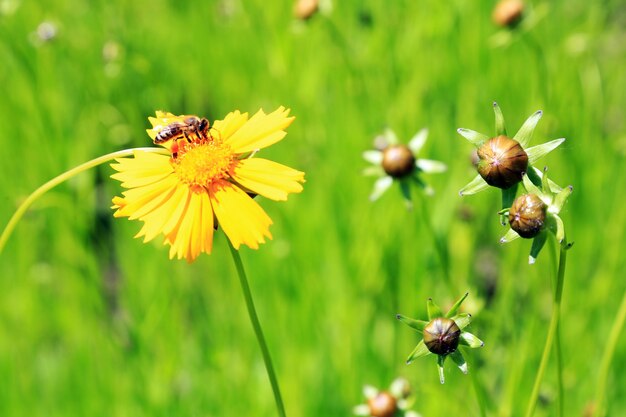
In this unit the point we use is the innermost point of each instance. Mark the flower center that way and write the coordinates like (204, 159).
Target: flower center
(200, 163)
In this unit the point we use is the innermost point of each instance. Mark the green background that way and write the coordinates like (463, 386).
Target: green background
(96, 323)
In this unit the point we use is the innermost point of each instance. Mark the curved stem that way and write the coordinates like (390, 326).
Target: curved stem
(58, 180)
(258, 331)
(552, 329)
(607, 357)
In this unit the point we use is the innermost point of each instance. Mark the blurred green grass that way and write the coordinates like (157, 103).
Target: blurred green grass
(93, 322)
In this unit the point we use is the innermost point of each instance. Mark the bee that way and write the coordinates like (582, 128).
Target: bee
(192, 125)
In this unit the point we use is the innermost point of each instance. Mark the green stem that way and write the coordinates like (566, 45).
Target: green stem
(559, 372)
(552, 329)
(19, 213)
(607, 357)
(258, 331)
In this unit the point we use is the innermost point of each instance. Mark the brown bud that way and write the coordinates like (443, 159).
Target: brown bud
(305, 9)
(382, 405)
(441, 336)
(502, 162)
(508, 13)
(398, 161)
(527, 215)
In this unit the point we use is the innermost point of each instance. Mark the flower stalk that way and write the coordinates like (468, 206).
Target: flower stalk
(258, 330)
(21, 210)
(552, 329)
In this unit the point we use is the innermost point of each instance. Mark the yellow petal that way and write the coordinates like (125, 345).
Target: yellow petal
(241, 218)
(172, 211)
(260, 131)
(156, 221)
(142, 169)
(231, 123)
(268, 178)
(190, 228)
(182, 241)
(136, 198)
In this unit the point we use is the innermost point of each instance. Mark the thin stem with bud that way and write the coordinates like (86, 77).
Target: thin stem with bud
(21, 210)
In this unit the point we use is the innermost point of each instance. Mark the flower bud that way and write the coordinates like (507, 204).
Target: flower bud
(527, 215)
(382, 405)
(305, 9)
(441, 336)
(502, 162)
(508, 13)
(398, 161)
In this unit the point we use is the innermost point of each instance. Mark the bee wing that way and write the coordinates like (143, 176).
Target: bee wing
(162, 120)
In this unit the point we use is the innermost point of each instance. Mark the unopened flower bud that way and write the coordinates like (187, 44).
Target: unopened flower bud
(527, 215)
(398, 161)
(382, 405)
(441, 336)
(502, 162)
(508, 13)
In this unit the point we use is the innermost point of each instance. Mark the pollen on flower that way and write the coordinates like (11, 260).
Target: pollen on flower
(199, 164)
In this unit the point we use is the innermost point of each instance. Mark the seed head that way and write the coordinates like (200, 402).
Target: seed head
(441, 336)
(527, 215)
(508, 13)
(398, 161)
(383, 405)
(305, 9)
(502, 162)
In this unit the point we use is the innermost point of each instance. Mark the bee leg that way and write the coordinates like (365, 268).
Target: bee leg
(187, 136)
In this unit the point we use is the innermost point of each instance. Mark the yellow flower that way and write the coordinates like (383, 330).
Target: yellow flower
(207, 178)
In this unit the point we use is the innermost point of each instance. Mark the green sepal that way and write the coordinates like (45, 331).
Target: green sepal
(373, 157)
(500, 127)
(510, 236)
(560, 228)
(462, 320)
(430, 166)
(561, 198)
(468, 339)
(420, 350)
(525, 133)
(530, 186)
(536, 175)
(414, 324)
(474, 186)
(390, 137)
(538, 151)
(545, 182)
(453, 310)
(508, 196)
(433, 310)
(417, 141)
(374, 171)
(428, 190)
(380, 186)
(476, 138)
(459, 360)
(536, 247)
(440, 361)
(405, 189)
